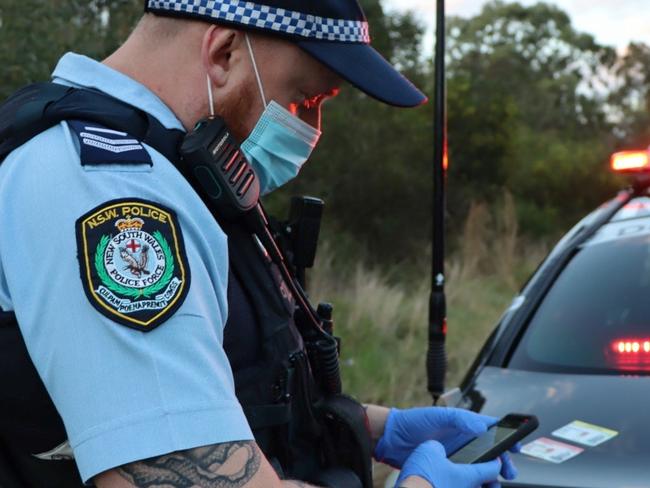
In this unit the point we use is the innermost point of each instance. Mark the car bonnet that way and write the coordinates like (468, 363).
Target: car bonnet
(619, 403)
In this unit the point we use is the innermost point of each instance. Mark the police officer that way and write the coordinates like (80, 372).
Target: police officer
(119, 275)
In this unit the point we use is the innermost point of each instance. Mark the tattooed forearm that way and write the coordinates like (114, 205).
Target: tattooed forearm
(229, 465)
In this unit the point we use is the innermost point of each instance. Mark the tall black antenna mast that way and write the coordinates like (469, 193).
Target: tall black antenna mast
(436, 356)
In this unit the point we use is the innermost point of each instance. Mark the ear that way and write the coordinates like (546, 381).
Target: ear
(216, 53)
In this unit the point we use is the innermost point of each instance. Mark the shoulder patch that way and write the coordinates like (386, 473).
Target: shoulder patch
(100, 145)
(132, 260)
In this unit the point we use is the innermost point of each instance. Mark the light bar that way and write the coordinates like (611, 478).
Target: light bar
(631, 347)
(631, 161)
(630, 354)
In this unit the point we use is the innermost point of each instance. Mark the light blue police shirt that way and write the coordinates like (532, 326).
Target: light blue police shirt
(124, 395)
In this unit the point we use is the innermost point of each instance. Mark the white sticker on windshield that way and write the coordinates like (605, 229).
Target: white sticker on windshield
(550, 450)
(585, 434)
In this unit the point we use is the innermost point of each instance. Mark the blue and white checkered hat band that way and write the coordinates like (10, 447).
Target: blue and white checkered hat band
(270, 18)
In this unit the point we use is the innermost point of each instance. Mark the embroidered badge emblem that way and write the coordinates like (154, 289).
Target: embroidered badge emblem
(133, 264)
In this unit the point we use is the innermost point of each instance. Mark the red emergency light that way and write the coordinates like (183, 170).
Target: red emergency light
(629, 354)
(630, 347)
(631, 161)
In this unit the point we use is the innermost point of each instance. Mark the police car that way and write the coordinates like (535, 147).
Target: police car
(574, 349)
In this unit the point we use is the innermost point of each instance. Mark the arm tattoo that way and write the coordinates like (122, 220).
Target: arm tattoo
(196, 468)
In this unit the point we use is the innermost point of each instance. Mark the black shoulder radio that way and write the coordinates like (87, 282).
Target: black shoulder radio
(212, 158)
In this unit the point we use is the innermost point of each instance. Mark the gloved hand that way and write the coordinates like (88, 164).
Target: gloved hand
(452, 427)
(429, 461)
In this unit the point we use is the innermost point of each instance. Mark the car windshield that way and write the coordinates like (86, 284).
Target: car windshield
(596, 316)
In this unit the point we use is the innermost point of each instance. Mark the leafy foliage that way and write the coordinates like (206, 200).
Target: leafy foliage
(631, 98)
(31, 48)
(528, 112)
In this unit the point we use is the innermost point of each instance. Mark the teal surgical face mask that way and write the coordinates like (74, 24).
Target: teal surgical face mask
(279, 144)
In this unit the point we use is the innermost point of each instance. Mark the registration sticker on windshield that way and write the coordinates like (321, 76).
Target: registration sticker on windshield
(550, 450)
(585, 434)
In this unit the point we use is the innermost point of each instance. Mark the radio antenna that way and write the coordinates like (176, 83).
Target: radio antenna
(436, 355)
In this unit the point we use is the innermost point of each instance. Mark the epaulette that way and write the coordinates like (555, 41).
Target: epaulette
(99, 145)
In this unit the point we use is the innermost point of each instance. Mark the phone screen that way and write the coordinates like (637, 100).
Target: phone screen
(479, 446)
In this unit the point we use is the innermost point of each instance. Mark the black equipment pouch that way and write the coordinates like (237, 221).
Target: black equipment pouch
(312, 426)
(346, 438)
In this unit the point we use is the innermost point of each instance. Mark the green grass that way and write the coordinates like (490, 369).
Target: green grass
(383, 327)
(383, 322)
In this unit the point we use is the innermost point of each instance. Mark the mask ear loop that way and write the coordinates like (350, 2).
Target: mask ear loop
(257, 73)
(210, 96)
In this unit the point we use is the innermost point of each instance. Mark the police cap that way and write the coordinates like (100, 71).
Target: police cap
(333, 31)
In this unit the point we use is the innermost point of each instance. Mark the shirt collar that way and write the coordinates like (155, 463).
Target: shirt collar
(83, 72)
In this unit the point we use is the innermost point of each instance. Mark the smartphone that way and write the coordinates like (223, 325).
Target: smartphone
(499, 438)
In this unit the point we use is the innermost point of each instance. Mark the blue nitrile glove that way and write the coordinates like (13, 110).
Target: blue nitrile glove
(429, 461)
(452, 427)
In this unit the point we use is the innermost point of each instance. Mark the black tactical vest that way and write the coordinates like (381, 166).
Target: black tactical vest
(302, 431)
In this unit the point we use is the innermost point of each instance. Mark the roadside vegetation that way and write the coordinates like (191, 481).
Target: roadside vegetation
(382, 318)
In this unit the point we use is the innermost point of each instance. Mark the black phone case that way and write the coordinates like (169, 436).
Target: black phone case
(522, 431)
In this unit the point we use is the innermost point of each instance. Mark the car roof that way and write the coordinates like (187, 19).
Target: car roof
(637, 208)
(632, 220)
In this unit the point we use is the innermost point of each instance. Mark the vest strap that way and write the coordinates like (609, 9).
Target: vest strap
(40, 106)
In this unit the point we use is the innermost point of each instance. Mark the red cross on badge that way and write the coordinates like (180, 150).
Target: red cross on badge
(133, 246)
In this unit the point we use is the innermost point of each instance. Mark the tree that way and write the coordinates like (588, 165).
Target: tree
(30, 48)
(630, 100)
(527, 112)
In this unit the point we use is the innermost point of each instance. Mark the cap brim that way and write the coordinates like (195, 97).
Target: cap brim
(366, 69)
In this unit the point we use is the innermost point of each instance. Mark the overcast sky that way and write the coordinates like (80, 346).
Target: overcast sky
(612, 22)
